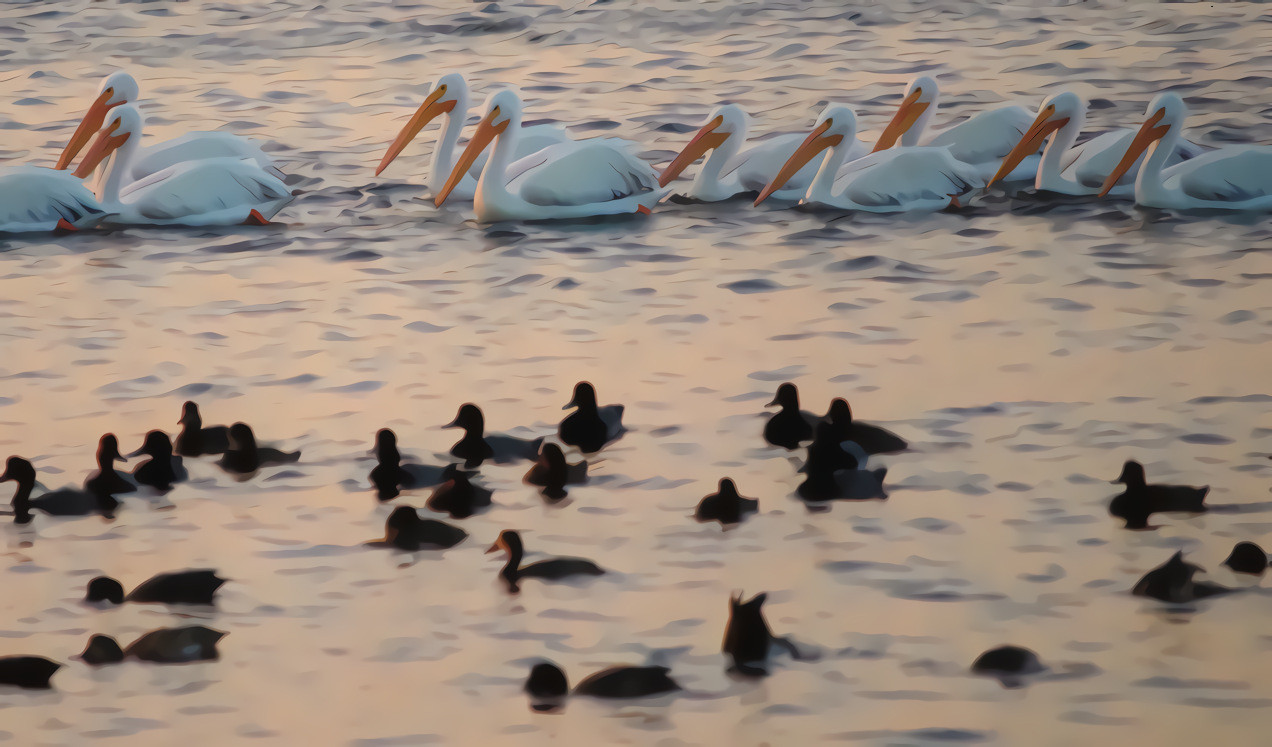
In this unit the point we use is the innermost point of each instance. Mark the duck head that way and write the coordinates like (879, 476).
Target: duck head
(787, 397)
(156, 446)
(386, 450)
(469, 418)
(242, 438)
(1132, 474)
(108, 452)
(18, 470)
(727, 489)
(840, 413)
(190, 416)
(584, 397)
(105, 589)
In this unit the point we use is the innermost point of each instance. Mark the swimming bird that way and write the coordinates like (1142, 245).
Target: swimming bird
(627, 682)
(40, 200)
(871, 438)
(105, 481)
(1247, 557)
(789, 426)
(573, 179)
(163, 646)
(590, 427)
(196, 440)
(102, 649)
(178, 587)
(405, 530)
(1141, 500)
(163, 468)
(553, 473)
(747, 637)
(62, 502)
(553, 569)
(834, 470)
(547, 687)
(1008, 664)
(245, 457)
(476, 446)
(725, 505)
(449, 97)
(458, 496)
(390, 474)
(29, 672)
(1173, 582)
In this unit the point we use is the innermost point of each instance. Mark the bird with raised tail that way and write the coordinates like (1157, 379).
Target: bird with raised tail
(1173, 582)
(573, 179)
(40, 200)
(449, 97)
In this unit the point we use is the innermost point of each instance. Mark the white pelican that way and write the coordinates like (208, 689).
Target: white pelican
(450, 97)
(888, 181)
(1079, 170)
(208, 192)
(982, 140)
(39, 199)
(727, 173)
(120, 88)
(574, 179)
(1238, 177)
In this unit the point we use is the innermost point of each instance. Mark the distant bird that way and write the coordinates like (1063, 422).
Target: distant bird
(179, 587)
(62, 502)
(458, 496)
(747, 637)
(405, 530)
(627, 682)
(245, 457)
(553, 473)
(590, 427)
(871, 438)
(547, 687)
(1142, 500)
(1008, 664)
(832, 472)
(106, 482)
(476, 447)
(163, 468)
(194, 439)
(102, 649)
(1173, 582)
(553, 569)
(390, 474)
(30, 672)
(163, 646)
(1247, 557)
(789, 426)
(725, 505)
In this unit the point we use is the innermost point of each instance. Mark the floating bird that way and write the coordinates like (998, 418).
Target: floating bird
(389, 474)
(553, 473)
(553, 569)
(163, 468)
(30, 672)
(1008, 664)
(449, 96)
(747, 637)
(102, 649)
(871, 438)
(179, 587)
(106, 481)
(62, 502)
(194, 439)
(725, 505)
(39, 200)
(833, 470)
(547, 687)
(590, 427)
(1173, 582)
(573, 179)
(458, 496)
(163, 646)
(476, 447)
(405, 530)
(245, 457)
(627, 682)
(1247, 557)
(789, 426)
(1141, 500)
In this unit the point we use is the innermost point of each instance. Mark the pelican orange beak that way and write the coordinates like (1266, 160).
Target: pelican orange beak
(487, 130)
(907, 114)
(1043, 126)
(706, 139)
(815, 143)
(430, 109)
(91, 123)
(1149, 133)
(107, 142)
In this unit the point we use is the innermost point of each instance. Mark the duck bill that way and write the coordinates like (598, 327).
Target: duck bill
(1028, 145)
(815, 143)
(1149, 133)
(907, 114)
(486, 132)
(91, 123)
(429, 110)
(494, 548)
(107, 142)
(706, 139)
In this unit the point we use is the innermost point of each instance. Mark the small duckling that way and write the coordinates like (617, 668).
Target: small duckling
(405, 530)
(1173, 582)
(245, 457)
(1142, 500)
(163, 646)
(871, 438)
(163, 468)
(179, 587)
(390, 474)
(1008, 664)
(195, 440)
(1247, 557)
(590, 427)
(789, 426)
(747, 637)
(553, 569)
(725, 505)
(458, 496)
(106, 481)
(627, 682)
(62, 502)
(476, 446)
(553, 473)
(29, 672)
(547, 687)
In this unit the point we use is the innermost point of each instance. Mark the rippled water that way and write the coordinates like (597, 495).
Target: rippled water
(1024, 348)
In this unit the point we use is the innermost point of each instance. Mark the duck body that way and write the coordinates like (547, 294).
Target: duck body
(28, 672)
(1141, 500)
(553, 569)
(552, 472)
(245, 457)
(725, 505)
(476, 447)
(179, 587)
(832, 471)
(590, 427)
(164, 468)
(458, 496)
(405, 530)
(196, 440)
(176, 645)
(390, 474)
(627, 682)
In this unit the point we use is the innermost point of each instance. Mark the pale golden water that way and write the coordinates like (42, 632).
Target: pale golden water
(1025, 350)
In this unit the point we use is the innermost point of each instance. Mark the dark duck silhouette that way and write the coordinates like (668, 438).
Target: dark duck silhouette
(789, 426)
(1173, 582)
(1247, 557)
(627, 682)
(747, 637)
(476, 447)
(553, 569)
(1008, 664)
(245, 457)
(1141, 500)
(105, 481)
(30, 672)
(590, 427)
(194, 439)
(163, 646)
(458, 496)
(405, 530)
(832, 472)
(62, 502)
(552, 473)
(390, 475)
(178, 587)
(163, 468)
(547, 687)
(871, 438)
(725, 505)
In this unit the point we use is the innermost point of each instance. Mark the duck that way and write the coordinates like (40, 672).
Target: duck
(1141, 500)
(547, 687)
(1008, 664)
(163, 468)
(163, 646)
(1247, 557)
(102, 649)
(178, 587)
(1173, 582)
(833, 470)
(28, 672)
(106, 481)
(747, 637)
(552, 473)
(458, 496)
(553, 569)
(476, 447)
(789, 426)
(196, 440)
(725, 505)
(405, 530)
(871, 438)
(245, 457)
(66, 501)
(389, 474)
(627, 682)
(590, 427)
